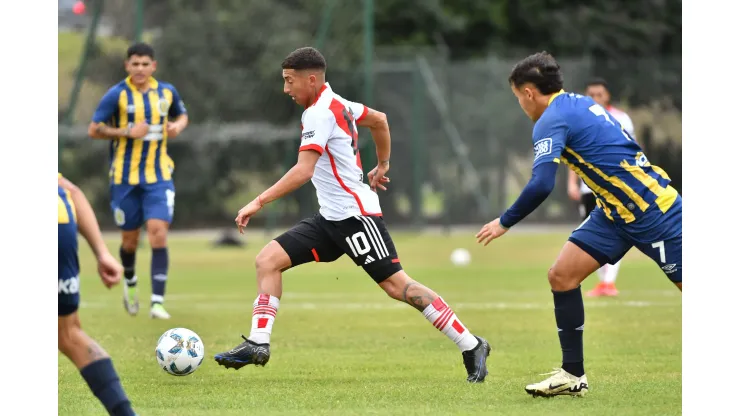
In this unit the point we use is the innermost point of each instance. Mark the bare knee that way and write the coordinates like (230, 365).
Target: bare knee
(561, 281)
(272, 258)
(396, 285)
(68, 331)
(157, 232)
(130, 241)
(400, 286)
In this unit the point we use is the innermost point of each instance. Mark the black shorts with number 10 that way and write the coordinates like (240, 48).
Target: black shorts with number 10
(365, 239)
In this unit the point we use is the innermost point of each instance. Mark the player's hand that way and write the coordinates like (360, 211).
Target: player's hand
(377, 176)
(574, 192)
(138, 131)
(242, 218)
(490, 231)
(173, 129)
(110, 270)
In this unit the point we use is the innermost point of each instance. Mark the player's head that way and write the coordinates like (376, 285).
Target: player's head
(303, 75)
(598, 89)
(140, 63)
(533, 80)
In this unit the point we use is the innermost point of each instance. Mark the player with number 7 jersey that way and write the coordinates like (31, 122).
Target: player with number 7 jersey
(637, 206)
(349, 222)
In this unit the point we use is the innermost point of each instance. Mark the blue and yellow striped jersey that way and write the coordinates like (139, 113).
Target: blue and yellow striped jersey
(67, 234)
(135, 161)
(66, 212)
(583, 135)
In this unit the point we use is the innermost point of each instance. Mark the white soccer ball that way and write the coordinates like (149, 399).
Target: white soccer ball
(180, 351)
(460, 257)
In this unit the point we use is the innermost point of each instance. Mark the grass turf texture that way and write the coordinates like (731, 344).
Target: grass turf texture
(340, 346)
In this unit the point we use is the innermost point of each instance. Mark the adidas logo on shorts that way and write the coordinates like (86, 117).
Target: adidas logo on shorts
(369, 259)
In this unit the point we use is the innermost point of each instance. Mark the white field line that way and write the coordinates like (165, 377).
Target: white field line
(214, 303)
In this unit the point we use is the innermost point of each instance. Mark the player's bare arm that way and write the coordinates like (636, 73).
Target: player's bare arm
(110, 270)
(296, 177)
(175, 127)
(574, 191)
(104, 131)
(377, 122)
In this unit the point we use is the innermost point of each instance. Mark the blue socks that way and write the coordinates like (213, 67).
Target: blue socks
(104, 383)
(570, 318)
(128, 261)
(160, 264)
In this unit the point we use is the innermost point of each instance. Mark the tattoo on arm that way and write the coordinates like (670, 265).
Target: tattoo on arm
(418, 296)
(385, 162)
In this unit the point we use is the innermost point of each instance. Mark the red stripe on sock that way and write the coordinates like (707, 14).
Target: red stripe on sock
(448, 316)
(459, 328)
(440, 317)
(439, 304)
(262, 323)
(264, 299)
(264, 311)
(442, 321)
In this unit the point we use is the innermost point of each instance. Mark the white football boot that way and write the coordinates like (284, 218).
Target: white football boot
(560, 383)
(131, 298)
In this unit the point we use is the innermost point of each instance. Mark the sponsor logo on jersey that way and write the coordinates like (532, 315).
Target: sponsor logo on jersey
(542, 148)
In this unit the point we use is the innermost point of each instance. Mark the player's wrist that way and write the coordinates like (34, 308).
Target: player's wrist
(504, 221)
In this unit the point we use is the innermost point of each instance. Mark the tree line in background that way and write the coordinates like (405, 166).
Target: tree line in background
(224, 57)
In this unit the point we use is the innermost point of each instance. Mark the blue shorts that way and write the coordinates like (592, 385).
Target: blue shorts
(133, 205)
(608, 242)
(69, 270)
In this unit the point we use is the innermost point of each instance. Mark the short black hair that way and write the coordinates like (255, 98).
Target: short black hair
(597, 81)
(305, 58)
(140, 49)
(541, 69)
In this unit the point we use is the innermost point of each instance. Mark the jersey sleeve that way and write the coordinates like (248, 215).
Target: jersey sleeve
(359, 111)
(317, 127)
(549, 137)
(178, 105)
(107, 107)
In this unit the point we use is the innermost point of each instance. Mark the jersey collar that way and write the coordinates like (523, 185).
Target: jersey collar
(555, 95)
(321, 91)
(153, 83)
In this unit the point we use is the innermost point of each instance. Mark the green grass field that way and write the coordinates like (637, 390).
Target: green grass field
(341, 347)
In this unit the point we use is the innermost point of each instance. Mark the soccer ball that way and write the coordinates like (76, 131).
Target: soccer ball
(180, 351)
(460, 257)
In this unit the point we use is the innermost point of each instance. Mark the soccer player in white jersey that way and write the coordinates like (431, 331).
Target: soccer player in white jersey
(349, 221)
(598, 89)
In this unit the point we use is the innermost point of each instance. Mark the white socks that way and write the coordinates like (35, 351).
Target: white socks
(444, 319)
(263, 316)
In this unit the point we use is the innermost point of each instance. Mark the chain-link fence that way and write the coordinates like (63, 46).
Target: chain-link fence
(461, 145)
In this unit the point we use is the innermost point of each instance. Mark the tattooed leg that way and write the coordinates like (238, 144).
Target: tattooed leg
(401, 287)
(95, 366)
(75, 344)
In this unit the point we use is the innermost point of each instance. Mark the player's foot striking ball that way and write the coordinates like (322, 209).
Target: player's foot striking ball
(138, 115)
(637, 206)
(350, 221)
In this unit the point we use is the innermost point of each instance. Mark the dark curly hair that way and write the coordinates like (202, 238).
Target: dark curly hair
(541, 69)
